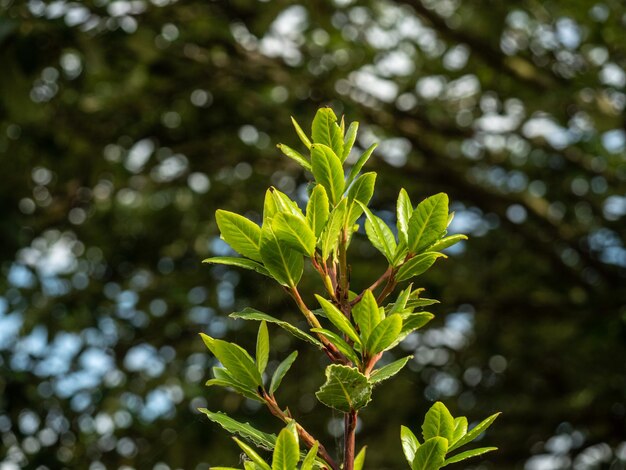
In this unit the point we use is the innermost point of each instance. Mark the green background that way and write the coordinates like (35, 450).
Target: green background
(124, 125)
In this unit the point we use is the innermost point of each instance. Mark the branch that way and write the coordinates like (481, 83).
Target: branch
(306, 437)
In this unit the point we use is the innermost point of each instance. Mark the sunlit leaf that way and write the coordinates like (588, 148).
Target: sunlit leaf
(241, 234)
(345, 389)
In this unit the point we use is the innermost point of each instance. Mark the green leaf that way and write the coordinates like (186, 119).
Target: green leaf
(269, 206)
(236, 360)
(438, 422)
(303, 137)
(252, 314)
(329, 238)
(241, 234)
(250, 434)
(281, 370)
(294, 155)
(250, 452)
(388, 371)
(356, 168)
(414, 321)
(345, 389)
(317, 209)
(349, 140)
(239, 262)
(379, 234)
(475, 432)
(359, 460)
(404, 211)
(460, 429)
(328, 171)
(338, 319)
(410, 443)
(226, 383)
(295, 232)
(285, 204)
(468, 454)
(431, 454)
(340, 343)
(224, 378)
(287, 451)
(284, 264)
(361, 190)
(325, 130)
(428, 222)
(309, 460)
(447, 242)
(384, 334)
(400, 304)
(417, 265)
(366, 314)
(262, 347)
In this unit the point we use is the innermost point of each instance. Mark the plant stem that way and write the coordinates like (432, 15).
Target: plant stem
(331, 350)
(307, 438)
(376, 283)
(350, 420)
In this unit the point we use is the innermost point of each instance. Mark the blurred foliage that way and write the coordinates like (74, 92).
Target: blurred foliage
(125, 124)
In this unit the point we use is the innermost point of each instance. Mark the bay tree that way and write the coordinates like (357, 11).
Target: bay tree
(353, 326)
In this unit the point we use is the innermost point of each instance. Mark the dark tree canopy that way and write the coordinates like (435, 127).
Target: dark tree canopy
(124, 125)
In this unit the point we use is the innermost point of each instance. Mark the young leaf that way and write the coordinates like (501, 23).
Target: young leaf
(428, 222)
(250, 452)
(236, 360)
(329, 239)
(468, 454)
(438, 422)
(410, 443)
(328, 171)
(349, 140)
(294, 232)
(404, 211)
(417, 265)
(303, 137)
(262, 347)
(309, 460)
(294, 155)
(388, 371)
(281, 370)
(431, 454)
(384, 334)
(475, 432)
(224, 379)
(447, 242)
(400, 304)
(340, 343)
(317, 210)
(338, 319)
(356, 168)
(284, 264)
(414, 321)
(269, 206)
(379, 234)
(359, 460)
(361, 190)
(250, 434)
(366, 314)
(239, 262)
(285, 204)
(325, 130)
(460, 429)
(241, 234)
(252, 314)
(287, 451)
(345, 389)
